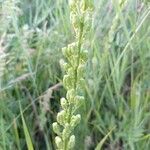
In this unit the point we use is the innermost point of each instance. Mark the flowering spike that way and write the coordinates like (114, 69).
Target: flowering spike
(76, 56)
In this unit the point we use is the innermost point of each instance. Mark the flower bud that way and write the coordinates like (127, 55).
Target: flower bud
(71, 72)
(75, 20)
(79, 100)
(85, 55)
(94, 62)
(80, 71)
(56, 128)
(75, 120)
(68, 82)
(88, 21)
(71, 142)
(59, 142)
(67, 131)
(63, 64)
(72, 4)
(63, 102)
(70, 95)
(81, 83)
(64, 51)
(61, 117)
(87, 5)
(73, 48)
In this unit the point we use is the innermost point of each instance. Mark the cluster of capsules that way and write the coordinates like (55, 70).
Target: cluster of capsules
(74, 66)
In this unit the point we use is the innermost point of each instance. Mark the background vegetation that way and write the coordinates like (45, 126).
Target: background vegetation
(116, 114)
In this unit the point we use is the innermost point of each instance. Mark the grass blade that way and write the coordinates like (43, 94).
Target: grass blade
(26, 132)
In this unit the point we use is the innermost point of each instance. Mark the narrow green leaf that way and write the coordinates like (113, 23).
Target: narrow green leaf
(26, 132)
(100, 144)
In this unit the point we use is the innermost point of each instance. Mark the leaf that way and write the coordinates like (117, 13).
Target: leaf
(100, 144)
(26, 132)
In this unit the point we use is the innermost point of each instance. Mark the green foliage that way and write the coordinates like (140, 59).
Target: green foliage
(115, 93)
